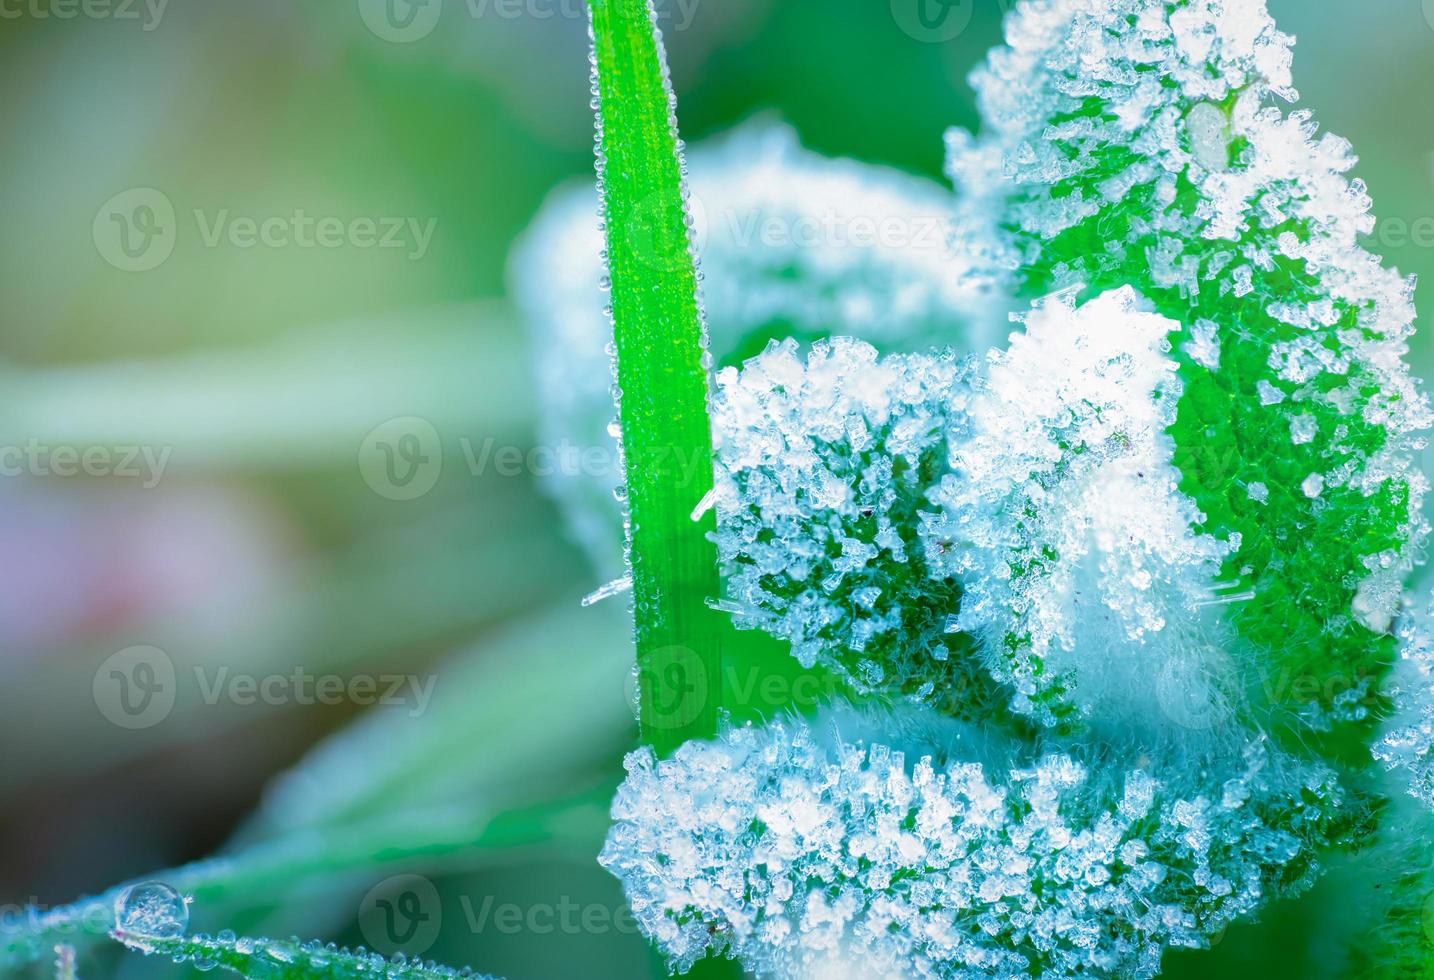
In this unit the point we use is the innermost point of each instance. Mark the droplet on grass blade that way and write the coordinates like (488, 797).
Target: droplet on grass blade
(153, 909)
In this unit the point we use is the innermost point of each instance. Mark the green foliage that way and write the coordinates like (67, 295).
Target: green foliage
(661, 377)
(1170, 170)
(269, 959)
(395, 792)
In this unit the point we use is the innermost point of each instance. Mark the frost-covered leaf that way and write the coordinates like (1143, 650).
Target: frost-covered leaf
(1063, 519)
(816, 850)
(823, 466)
(1407, 744)
(152, 918)
(1133, 142)
(791, 244)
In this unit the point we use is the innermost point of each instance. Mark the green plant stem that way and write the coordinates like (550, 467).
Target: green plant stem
(287, 959)
(661, 376)
(315, 857)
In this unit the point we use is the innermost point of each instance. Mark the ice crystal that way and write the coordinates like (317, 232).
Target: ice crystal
(1062, 514)
(791, 245)
(1133, 142)
(800, 853)
(823, 465)
(1408, 742)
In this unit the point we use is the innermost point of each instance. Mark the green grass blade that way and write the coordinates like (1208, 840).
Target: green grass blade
(661, 376)
(269, 959)
(270, 868)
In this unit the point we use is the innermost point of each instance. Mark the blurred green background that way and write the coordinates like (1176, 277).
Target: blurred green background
(257, 357)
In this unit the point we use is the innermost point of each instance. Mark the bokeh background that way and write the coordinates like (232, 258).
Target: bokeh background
(220, 381)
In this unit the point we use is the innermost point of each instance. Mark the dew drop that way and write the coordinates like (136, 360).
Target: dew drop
(152, 908)
(634, 693)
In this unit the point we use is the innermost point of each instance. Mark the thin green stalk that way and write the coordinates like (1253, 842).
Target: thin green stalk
(661, 377)
(313, 857)
(287, 959)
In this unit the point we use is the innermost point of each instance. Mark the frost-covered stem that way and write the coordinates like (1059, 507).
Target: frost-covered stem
(287, 959)
(660, 374)
(266, 868)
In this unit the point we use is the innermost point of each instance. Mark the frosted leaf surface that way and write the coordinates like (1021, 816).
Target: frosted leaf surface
(823, 463)
(804, 853)
(152, 918)
(1062, 515)
(791, 244)
(1137, 142)
(1407, 744)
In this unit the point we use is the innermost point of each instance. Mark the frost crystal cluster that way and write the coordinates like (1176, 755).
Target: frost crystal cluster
(1135, 143)
(1117, 599)
(806, 855)
(1408, 743)
(1062, 512)
(822, 471)
(792, 244)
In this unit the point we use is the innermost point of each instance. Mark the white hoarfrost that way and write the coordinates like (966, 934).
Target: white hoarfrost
(790, 244)
(800, 852)
(1407, 744)
(823, 465)
(1063, 518)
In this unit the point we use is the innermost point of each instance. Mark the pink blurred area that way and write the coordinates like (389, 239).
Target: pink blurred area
(86, 563)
